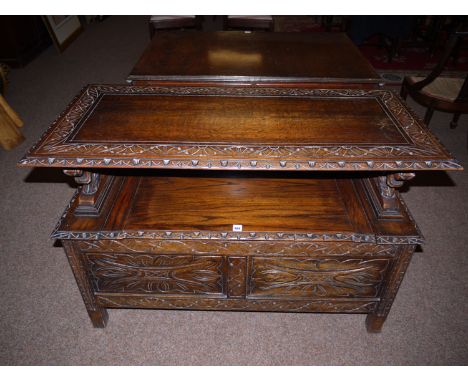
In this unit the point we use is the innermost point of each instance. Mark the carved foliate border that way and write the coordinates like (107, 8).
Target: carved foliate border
(235, 248)
(211, 235)
(136, 301)
(235, 236)
(424, 153)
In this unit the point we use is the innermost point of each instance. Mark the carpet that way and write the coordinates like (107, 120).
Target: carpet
(43, 320)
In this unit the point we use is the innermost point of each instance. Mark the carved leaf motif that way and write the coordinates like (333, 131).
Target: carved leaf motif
(156, 273)
(317, 277)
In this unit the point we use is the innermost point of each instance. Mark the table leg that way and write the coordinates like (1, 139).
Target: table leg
(376, 319)
(97, 314)
(374, 323)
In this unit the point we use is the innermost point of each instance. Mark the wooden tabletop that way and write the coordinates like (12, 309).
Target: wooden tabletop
(196, 205)
(239, 128)
(253, 57)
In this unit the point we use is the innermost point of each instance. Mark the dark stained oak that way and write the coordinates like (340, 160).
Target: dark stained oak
(149, 227)
(257, 57)
(216, 203)
(232, 120)
(239, 128)
(309, 244)
(181, 203)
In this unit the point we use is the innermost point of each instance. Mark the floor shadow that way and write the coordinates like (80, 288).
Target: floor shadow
(49, 175)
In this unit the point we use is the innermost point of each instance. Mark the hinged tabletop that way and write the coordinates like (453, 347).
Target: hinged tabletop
(238, 128)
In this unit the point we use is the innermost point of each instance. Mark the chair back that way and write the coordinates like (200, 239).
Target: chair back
(453, 43)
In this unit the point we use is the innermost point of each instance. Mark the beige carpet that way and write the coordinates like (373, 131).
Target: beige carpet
(43, 319)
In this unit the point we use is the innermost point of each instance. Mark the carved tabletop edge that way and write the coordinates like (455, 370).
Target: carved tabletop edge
(54, 150)
(239, 164)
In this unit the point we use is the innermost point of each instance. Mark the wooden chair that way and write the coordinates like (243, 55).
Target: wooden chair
(249, 23)
(173, 22)
(437, 92)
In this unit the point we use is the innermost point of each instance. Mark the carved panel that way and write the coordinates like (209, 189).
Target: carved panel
(160, 274)
(304, 277)
(79, 272)
(149, 301)
(394, 281)
(236, 276)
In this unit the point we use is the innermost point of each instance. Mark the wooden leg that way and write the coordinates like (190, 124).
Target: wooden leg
(428, 116)
(454, 122)
(97, 314)
(99, 317)
(374, 323)
(376, 319)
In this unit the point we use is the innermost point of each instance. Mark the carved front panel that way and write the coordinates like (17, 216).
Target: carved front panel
(316, 278)
(157, 274)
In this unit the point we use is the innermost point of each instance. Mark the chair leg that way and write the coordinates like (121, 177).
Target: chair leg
(454, 122)
(428, 116)
(403, 91)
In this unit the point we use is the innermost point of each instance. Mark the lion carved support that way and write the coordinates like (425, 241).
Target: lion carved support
(93, 191)
(383, 193)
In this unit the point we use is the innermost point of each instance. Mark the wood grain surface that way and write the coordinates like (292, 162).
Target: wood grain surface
(171, 204)
(239, 128)
(255, 56)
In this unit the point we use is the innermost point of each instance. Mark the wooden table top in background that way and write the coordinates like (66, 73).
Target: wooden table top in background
(192, 56)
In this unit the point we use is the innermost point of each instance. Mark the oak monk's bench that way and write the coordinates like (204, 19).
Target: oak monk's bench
(238, 198)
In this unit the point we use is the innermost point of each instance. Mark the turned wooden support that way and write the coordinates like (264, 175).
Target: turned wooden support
(383, 193)
(93, 191)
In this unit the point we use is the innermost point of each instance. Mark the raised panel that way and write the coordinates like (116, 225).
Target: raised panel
(237, 276)
(316, 278)
(157, 274)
